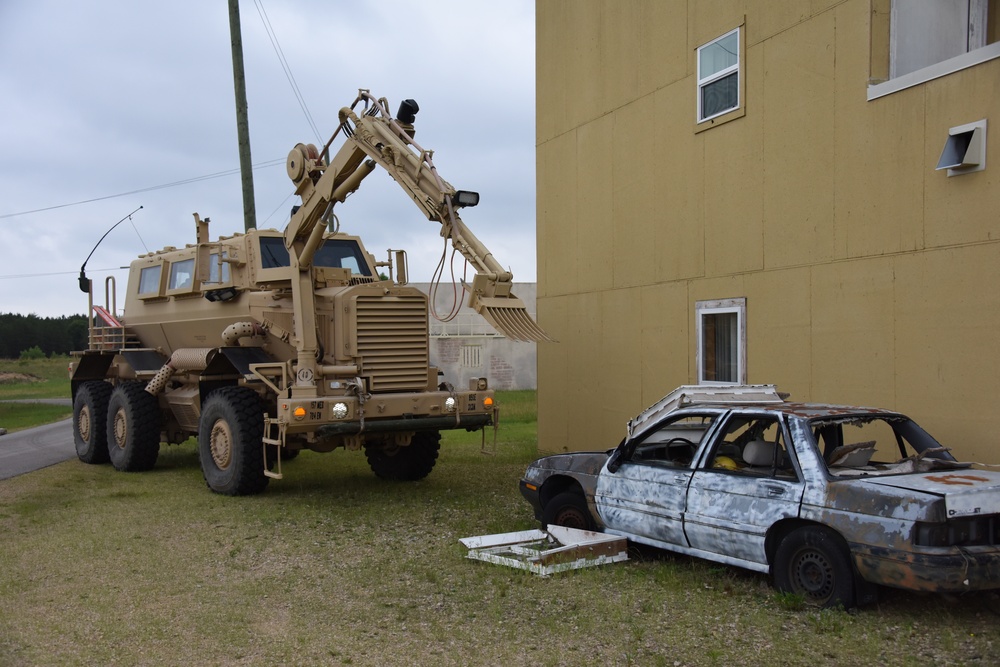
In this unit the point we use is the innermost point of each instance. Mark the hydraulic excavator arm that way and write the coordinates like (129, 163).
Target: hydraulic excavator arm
(373, 138)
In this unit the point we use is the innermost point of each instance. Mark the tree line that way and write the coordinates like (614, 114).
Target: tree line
(52, 335)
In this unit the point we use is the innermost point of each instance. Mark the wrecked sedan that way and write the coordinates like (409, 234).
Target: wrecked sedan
(831, 501)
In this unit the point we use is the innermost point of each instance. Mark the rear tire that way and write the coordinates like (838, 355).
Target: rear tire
(231, 442)
(90, 418)
(568, 509)
(814, 563)
(408, 463)
(133, 430)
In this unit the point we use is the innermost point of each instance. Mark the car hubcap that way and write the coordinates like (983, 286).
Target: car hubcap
(221, 443)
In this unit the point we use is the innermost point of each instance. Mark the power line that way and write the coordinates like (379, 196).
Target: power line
(186, 181)
(59, 273)
(286, 67)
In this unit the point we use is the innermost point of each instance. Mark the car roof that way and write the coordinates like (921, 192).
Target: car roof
(802, 410)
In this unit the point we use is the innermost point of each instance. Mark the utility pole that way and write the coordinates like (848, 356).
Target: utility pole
(242, 121)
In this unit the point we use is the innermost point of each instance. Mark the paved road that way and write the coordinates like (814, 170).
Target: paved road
(36, 448)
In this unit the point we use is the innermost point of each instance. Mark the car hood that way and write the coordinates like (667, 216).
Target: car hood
(965, 492)
(588, 463)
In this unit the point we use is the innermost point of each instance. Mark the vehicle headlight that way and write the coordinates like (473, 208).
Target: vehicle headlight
(449, 404)
(339, 410)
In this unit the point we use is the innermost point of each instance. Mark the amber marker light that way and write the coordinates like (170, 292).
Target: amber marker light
(530, 487)
(488, 402)
(300, 412)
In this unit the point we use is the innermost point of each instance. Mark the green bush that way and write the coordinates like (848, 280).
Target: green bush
(33, 352)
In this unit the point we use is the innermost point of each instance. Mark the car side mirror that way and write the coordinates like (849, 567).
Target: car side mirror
(615, 460)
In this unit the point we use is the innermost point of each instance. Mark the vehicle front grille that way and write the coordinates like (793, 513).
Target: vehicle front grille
(392, 341)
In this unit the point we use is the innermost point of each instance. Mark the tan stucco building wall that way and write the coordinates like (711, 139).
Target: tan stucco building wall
(869, 277)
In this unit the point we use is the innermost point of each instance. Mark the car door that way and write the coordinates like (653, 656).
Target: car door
(643, 495)
(745, 483)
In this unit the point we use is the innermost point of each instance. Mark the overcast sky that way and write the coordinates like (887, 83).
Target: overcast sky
(106, 103)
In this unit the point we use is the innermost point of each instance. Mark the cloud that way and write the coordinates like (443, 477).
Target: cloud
(124, 97)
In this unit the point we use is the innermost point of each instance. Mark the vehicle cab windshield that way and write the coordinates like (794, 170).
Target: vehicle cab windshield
(333, 253)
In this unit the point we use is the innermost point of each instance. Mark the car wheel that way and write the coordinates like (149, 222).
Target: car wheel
(133, 428)
(90, 418)
(230, 442)
(813, 562)
(569, 509)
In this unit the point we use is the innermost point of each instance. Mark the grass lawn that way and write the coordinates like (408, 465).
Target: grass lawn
(33, 379)
(331, 566)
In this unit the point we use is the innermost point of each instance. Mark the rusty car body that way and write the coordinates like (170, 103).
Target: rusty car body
(831, 501)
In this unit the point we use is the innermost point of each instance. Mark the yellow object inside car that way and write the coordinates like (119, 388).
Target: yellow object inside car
(725, 462)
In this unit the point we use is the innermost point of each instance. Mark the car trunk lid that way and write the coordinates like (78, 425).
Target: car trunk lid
(965, 492)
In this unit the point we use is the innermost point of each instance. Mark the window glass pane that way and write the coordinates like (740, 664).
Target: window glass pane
(213, 270)
(720, 340)
(273, 253)
(925, 33)
(341, 253)
(718, 55)
(720, 96)
(149, 280)
(181, 274)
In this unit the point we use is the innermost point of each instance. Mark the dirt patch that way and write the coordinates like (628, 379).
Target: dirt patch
(14, 378)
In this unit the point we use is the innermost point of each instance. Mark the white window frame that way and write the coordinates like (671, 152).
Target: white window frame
(720, 307)
(979, 52)
(716, 76)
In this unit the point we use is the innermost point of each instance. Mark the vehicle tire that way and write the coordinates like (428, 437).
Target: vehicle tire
(90, 418)
(231, 442)
(133, 428)
(813, 562)
(408, 463)
(569, 509)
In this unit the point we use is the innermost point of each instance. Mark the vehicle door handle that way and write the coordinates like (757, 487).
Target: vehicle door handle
(774, 491)
(680, 479)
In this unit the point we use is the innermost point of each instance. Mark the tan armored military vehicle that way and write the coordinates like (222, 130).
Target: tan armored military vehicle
(266, 343)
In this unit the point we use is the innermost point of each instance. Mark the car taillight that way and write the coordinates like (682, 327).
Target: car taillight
(965, 532)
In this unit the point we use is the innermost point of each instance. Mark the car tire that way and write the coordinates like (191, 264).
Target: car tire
(813, 562)
(568, 509)
(231, 442)
(90, 419)
(133, 428)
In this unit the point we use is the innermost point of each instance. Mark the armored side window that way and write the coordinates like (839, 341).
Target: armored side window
(273, 253)
(214, 275)
(149, 280)
(181, 274)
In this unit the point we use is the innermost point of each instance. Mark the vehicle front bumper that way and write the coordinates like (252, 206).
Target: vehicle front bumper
(530, 492)
(932, 570)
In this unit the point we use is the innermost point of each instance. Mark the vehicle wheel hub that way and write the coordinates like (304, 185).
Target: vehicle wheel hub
(83, 423)
(121, 427)
(221, 443)
(814, 575)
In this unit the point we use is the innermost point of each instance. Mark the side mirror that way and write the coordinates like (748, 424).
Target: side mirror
(615, 460)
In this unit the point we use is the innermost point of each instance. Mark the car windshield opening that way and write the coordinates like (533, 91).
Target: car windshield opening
(878, 445)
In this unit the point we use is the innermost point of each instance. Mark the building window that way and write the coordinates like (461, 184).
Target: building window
(926, 33)
(719, 76)
(472, 356)
(722, 342)
(915, 42)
